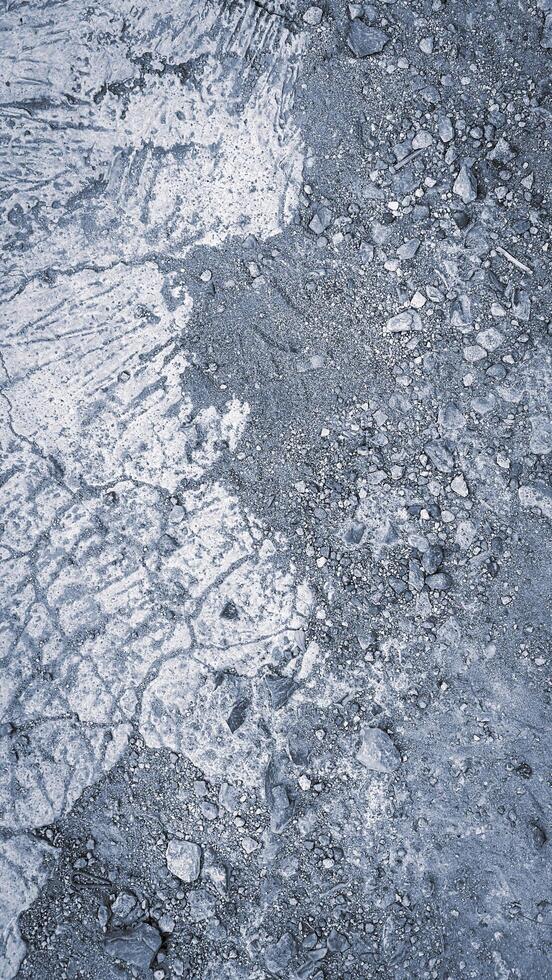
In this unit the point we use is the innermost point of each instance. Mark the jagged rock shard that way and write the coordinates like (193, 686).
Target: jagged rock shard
(377, 751)
(184, 860)
(465, 185)
(365, 41)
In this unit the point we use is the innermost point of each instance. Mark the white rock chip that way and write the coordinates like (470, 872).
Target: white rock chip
(540, 440)
(465, 186)
(539, 496)
(403, 322)
(184, 859)
(377, 751)
(490, 339)
(459, 486)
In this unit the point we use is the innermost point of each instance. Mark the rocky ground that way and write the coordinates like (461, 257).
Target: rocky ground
(275, 486)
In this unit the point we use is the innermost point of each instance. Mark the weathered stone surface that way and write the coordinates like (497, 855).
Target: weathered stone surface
(136, 946)
(364, 40)
(377, 751)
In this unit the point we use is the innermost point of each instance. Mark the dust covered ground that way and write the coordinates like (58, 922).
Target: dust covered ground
(276, 497)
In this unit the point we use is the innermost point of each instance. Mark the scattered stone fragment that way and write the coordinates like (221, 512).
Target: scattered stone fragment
(230, 611)
(465, 185)
(546, 36)
(473, 353)
(501, 152)
(540, 440)
(364, 40)
(184, 859)
(280, 690)
(321, 220)
(201, 905)
(432, 559)
(440, 455)
(278, 956)
(408, 249)
(440, 582)
(422, 140)
(377, 751)
(280, 807)
(418, 300)
(403, 322)
(136, 946)
(539, 496)
(446, 131)
(459, 486)
(490, 339)
(125, 909)
(312, 16)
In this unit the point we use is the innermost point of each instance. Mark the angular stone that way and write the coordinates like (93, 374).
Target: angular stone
(490, 339)
(377, 751)
(432, 559)
(321, 220)
(540, 440)
(280, 690)
(538, 495)
(546, 37)
(465, 186)
(137, 946)
(459, 486)
(408, 249)
(278, 956)
(184, 859)
(365, 41)
(403, 322)
(440, 455)
(422, 140)
(440, 582)
(446, 131)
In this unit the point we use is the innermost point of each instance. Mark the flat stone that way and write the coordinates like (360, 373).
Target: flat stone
(321, 220)
(278, 956)
(440, 455)
(540, 440)
(459, 486)
(408, 249)
(137, 946)
(490, 339)
(539, 496)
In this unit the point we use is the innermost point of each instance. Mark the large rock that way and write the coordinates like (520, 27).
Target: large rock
(364, 41)
(137, 946)
(184, 859)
